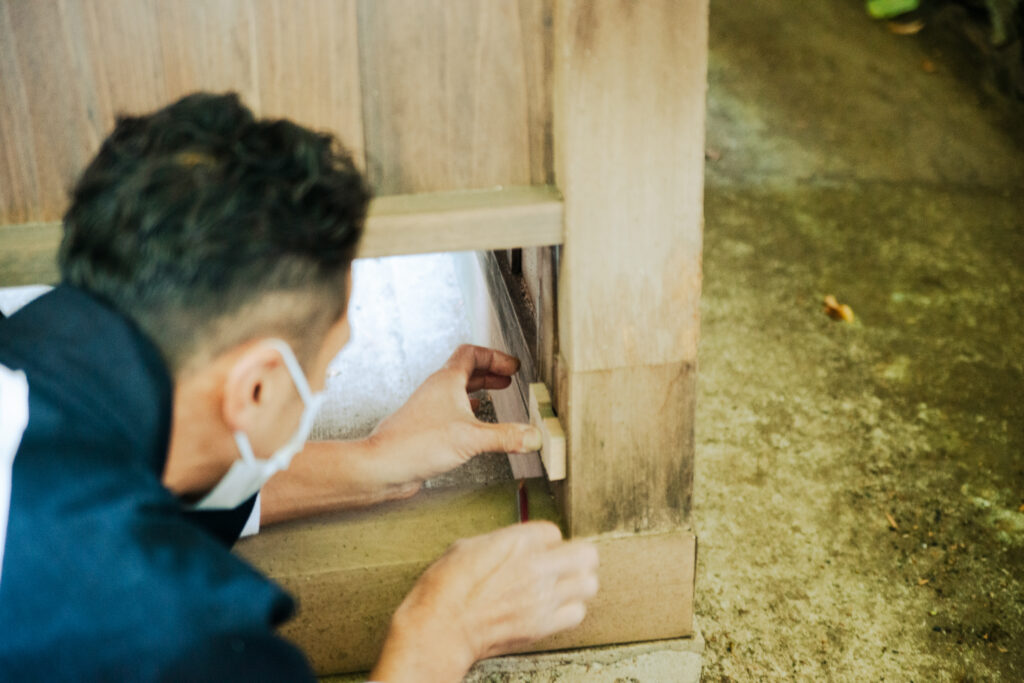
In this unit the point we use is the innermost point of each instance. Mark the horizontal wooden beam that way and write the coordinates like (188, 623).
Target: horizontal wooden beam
(472, 220)
(349, 571)
(28, 254)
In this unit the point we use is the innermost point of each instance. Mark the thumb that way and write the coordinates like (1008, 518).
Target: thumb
(507, 438)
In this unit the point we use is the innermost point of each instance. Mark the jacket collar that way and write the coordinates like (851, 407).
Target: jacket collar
(87, 354)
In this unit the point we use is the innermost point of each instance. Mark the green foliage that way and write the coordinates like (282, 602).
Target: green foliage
(887, 9)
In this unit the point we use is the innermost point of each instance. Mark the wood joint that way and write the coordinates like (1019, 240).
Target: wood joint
(542, 416)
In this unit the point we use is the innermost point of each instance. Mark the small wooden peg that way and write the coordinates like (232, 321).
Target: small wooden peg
(542, 416)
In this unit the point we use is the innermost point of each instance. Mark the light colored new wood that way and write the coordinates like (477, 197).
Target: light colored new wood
(542, 416)
(448, 221)
(350, 571)
(629, 84)
(462, 221)
(455, 93)
(67, 68)
(28, 254)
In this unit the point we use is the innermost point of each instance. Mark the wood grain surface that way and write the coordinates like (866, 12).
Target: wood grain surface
(631, 448)
(629, 99)
(455, 93)
(68, 68)
(631, 76)
(452, 94)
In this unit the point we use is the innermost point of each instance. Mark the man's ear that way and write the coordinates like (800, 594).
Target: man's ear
(250, 382)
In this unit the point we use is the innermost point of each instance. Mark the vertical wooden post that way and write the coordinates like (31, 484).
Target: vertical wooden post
(628, 126)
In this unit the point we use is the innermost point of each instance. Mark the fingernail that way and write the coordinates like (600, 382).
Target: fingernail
(532, 438)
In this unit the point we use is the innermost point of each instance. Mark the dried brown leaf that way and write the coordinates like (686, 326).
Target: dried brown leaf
(906, 28)
(838, 311)
(892, 521)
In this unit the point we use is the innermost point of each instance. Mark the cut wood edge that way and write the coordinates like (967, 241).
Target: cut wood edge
(478, 220)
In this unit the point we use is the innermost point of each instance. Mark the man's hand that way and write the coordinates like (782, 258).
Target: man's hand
(486, 596)
(436, 431)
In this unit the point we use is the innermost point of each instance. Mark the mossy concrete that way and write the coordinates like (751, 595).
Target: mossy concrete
(859, 486)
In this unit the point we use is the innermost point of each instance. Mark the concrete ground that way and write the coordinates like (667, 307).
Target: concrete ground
(860, 486)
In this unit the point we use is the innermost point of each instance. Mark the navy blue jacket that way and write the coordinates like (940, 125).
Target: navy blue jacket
(105, 576)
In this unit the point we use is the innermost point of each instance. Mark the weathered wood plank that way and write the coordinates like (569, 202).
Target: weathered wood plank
(51, 136)
(455, 93)
(350, 571)
(632, 76)
(631, 446)
(629, 130)
(68, 68)
(18, 165)
(307, 66)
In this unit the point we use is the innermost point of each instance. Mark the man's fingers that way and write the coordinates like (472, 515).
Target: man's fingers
(576, 557)
(505, 438)
(577, 587)
(546, 534)
(468, 359)
(486, 380)
(568, 616)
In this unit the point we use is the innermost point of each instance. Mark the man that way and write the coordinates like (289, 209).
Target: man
(170, 383)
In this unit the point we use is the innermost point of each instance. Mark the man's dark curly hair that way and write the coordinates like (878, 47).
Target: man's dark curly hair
(209, 227)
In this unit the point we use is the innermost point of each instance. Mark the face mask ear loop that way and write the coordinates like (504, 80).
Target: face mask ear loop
(247, 475)
(284, 460)
(312, 403)
(244, 447)
(294, 369)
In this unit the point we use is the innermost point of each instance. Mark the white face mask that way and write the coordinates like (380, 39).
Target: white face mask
(248, 475)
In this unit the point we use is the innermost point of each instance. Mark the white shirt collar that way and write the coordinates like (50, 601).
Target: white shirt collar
(13, 421)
